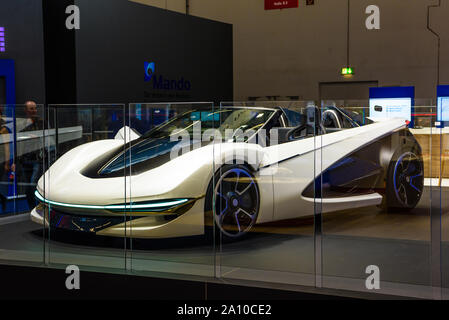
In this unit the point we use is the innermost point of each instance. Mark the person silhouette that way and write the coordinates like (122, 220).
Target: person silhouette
(7, 165)
(31, 161)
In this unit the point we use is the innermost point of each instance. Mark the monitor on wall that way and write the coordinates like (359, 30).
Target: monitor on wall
(389, 108)
(392, 102)
(443, 103)
(443, 109)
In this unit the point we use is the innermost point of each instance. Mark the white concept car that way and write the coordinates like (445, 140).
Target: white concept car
(158, 186)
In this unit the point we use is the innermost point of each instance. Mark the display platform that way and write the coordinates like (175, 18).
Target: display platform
(45, 283)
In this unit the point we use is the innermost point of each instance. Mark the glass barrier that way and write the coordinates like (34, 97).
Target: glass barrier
(77, 200)
(264, 192)
(170, 161)
(376, 200)
(22, 163)
(276, 192)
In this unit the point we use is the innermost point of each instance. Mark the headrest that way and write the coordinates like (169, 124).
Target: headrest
(313, 115)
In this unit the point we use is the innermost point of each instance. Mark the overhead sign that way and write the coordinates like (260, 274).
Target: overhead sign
(280, 4)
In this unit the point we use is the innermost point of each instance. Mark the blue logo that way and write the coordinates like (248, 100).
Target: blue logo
(160, 82)
(149, 70)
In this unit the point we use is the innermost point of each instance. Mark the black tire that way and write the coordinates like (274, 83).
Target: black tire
(405, 180)
(236, 194)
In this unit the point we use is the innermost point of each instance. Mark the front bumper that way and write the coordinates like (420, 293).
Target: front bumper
(181, 221)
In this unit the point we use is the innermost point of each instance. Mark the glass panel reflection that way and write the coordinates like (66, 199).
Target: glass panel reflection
(264, 210)
(376, 200)
(22, 156)
(76, 206)
(170, 161)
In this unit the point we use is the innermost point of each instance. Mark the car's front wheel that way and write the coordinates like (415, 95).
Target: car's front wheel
(233, 198)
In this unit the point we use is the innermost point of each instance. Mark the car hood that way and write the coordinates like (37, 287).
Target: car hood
(137, 156)
(186, 176)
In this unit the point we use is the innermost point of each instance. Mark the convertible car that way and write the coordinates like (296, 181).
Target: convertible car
(308, 160)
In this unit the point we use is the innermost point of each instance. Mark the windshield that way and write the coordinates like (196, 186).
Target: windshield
(243, 119)
(155, 146)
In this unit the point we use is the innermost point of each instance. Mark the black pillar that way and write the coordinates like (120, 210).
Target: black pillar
(59, 53)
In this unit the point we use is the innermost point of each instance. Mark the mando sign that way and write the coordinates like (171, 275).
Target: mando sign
(160, 82)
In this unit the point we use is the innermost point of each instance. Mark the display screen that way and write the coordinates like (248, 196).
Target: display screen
(2, 90)
(388, 108)
(443, 109)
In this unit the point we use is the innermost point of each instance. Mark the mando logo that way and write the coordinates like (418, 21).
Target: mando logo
(149, 70)
(161, 82)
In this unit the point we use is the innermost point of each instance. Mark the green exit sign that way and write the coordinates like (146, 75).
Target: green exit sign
(346, 71)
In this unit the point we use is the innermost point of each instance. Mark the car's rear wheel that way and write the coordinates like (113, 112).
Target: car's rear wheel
(233, 200)
(405, 181)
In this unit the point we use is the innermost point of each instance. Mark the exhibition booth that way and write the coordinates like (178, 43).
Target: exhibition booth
(276, 194)
(135, 159)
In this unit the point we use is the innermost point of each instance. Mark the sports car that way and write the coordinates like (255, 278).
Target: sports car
(175, 182)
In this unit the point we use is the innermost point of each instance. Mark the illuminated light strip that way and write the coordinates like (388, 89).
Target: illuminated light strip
(148, 206)
(2, 40)
(113, 207)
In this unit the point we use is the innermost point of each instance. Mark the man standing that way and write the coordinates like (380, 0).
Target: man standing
(31, 161)
(6, 163)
